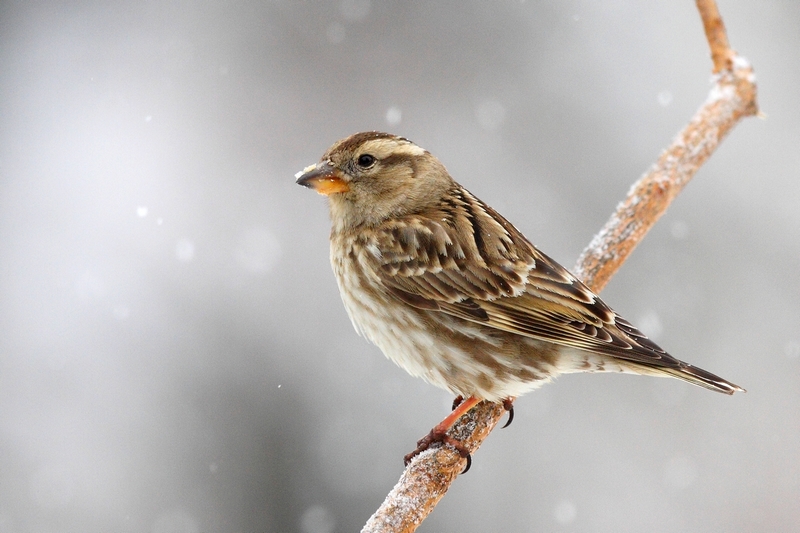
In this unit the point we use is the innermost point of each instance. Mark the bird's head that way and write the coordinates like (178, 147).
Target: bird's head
(372, 176)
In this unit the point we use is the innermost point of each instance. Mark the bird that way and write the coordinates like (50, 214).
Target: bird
(453, 293)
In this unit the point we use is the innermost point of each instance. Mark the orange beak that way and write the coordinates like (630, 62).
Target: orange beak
(323, 178)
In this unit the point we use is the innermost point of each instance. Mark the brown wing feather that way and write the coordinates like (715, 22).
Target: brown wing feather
(491, 274)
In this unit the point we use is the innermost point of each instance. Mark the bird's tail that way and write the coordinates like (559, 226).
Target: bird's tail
(698, 376)
(584, 361)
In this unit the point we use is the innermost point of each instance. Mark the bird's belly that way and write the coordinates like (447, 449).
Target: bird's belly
(454, 354)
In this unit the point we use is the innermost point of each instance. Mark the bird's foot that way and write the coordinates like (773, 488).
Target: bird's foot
(439, 434)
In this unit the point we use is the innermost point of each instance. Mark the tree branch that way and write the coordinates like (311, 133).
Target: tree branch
(732, 97)
(721, 53)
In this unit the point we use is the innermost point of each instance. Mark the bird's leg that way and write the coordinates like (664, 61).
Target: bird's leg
(508, 405)
(439, 433)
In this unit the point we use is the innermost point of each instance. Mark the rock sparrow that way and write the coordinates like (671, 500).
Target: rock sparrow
(453, 293)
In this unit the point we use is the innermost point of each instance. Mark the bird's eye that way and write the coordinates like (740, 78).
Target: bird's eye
(366, 160)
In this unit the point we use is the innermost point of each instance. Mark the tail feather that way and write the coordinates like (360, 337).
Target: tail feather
(698, 376)
(585, 361)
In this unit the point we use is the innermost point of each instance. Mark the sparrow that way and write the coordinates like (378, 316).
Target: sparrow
(453, 293)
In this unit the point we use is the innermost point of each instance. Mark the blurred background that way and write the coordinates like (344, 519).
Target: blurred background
(174, 356)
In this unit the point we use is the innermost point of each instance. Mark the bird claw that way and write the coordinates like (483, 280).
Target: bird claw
(457, 401)
(442, 437)
(508, 405)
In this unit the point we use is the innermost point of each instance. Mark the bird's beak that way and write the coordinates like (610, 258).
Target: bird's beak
(323, 178)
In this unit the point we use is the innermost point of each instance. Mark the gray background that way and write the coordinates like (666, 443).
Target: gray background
(174, 356)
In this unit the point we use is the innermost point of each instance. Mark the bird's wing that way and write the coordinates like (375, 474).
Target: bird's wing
(466, 260)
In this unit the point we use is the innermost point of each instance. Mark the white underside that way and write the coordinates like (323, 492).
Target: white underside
(404, 339)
